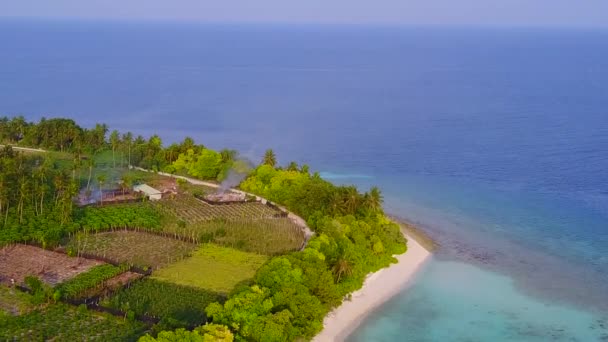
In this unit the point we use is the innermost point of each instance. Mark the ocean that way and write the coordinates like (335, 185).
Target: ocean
(493, 141)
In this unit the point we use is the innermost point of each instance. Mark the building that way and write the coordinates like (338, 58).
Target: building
(148, 191)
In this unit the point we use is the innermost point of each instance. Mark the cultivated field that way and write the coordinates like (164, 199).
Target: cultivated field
(20, 261)
(192, 210)
(134, 248)
(213, 268)
(264, 236)
(181, 305)
(61, 322)
(251, 227)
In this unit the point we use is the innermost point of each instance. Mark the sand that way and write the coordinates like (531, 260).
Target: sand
(378, 288)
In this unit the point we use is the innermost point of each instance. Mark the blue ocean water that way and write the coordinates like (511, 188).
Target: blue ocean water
(495, 142)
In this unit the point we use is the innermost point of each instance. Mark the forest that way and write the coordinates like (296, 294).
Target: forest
(289, 294)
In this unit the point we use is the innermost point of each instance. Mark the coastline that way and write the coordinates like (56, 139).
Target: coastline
(377, 289)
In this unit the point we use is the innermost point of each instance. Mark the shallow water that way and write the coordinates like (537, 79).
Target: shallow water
(493, 141)
(454, 301)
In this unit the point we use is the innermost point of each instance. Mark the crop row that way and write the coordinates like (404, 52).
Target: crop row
(269, 236)
(192, 210)
(176, 305)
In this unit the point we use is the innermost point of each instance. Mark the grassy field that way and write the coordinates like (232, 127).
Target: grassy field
(61, 322)
(14, 302)
(213, 268)
(178, 305)
(140, 249)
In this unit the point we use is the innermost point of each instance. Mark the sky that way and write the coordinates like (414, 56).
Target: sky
(516, 13)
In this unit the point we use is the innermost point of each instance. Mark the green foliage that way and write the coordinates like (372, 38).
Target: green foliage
(97, 219)
(214, 268)
(60, 322)
(41, 293)
(73, 288)
(204, 164)
(35, 199)
(310, 196)
(14, 302)
(178, 306)
(205, 333)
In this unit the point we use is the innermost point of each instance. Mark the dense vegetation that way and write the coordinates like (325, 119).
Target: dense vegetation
(177, 306)
(205, 333)
(75, 287)
(36, 199)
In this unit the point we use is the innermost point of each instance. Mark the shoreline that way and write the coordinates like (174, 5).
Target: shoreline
(377, 289)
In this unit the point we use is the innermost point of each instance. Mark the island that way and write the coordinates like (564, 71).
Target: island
(114, 236)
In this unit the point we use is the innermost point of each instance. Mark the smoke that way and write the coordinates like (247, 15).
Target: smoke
(238, 171)
(232, 179)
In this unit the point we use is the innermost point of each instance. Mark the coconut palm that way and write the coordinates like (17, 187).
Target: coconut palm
(374, 199)
(269, 158)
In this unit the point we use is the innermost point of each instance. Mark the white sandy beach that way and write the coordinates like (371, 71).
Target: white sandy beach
(378, 288)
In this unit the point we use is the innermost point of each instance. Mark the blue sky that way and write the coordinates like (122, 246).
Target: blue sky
(584, 13)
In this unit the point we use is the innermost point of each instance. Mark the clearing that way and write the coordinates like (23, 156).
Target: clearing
(20, 261)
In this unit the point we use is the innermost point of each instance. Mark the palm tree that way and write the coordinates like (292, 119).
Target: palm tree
(101, 179)
(352, 199)
(293, 166)
(342, 267)
(269, 158)
(128, 139)
(374, 199)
